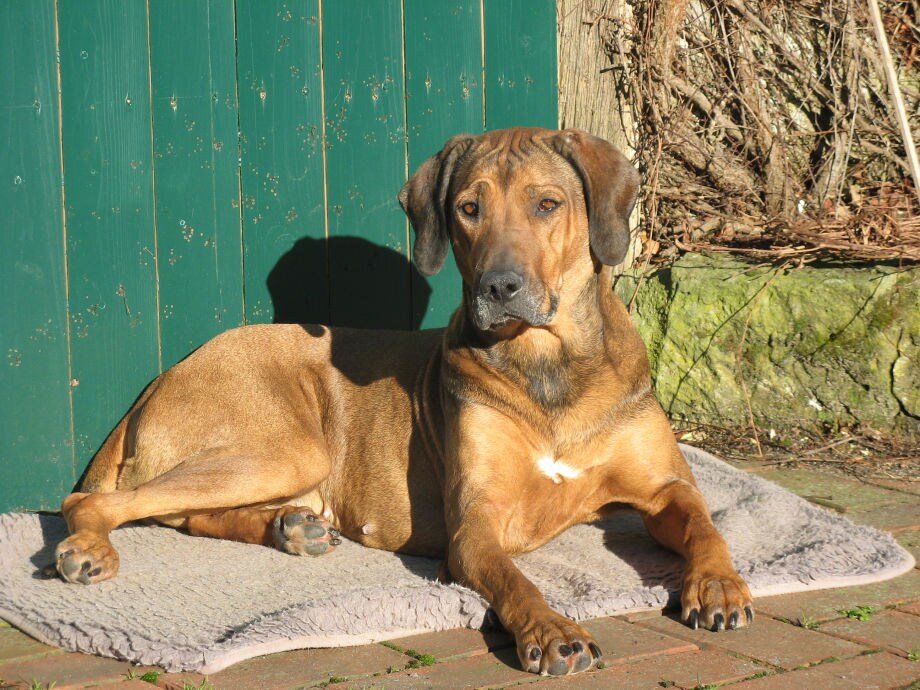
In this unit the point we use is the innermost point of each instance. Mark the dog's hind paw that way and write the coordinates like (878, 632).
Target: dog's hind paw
(302, 532)
(86, 560)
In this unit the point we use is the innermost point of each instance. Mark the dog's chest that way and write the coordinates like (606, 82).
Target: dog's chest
(548, 495)
(556, 470)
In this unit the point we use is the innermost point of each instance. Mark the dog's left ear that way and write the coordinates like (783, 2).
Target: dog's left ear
(423, 199)
(610, 183)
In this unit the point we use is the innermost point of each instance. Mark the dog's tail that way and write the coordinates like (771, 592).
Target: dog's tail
(101, 476)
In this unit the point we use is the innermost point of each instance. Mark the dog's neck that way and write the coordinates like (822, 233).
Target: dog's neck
(551, 362)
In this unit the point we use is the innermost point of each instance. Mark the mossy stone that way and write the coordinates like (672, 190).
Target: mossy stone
(803, 347)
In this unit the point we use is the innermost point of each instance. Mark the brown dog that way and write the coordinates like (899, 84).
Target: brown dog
(531, 412)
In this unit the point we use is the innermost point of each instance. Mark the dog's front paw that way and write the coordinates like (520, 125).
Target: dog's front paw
(716, 602)
(302, 532)
(86, 559)
(556, 647)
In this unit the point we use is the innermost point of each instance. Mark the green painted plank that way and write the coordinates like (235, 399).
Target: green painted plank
(196, 164)
(36, 447)
(108, 187)
(365, 162)
(520, 57)
(444, 97)
(280, 102)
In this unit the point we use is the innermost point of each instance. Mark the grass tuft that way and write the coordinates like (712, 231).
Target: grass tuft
(860, 613)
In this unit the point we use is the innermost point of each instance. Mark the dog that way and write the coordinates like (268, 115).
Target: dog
(532, 411)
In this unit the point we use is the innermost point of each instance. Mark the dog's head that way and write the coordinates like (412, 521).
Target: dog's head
(524, 209)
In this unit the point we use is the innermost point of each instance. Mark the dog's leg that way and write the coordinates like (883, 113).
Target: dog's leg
(211, 481)
(547, 642)
(293, 529)
(713, 595)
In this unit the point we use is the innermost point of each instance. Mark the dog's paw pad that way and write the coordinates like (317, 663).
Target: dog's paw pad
(303, 533)
(86, 564)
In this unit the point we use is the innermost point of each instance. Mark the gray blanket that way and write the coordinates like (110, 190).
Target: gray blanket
(197, 604)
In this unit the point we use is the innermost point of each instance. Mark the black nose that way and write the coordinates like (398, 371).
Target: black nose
(500, 286)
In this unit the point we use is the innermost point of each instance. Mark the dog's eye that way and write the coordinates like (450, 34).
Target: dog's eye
(470, 208)
(547, 205)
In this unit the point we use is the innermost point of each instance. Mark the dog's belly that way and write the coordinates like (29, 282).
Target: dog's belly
(389, 496)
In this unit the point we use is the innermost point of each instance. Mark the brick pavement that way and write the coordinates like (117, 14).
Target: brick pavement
(800, 640)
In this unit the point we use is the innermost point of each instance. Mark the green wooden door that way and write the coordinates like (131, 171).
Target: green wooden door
(175, 168)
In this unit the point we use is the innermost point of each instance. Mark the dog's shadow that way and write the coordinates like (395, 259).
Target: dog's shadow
(627, 538)
(347, 281)
(54, 531)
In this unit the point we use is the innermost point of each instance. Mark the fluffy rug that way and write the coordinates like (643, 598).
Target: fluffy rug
(190, 603)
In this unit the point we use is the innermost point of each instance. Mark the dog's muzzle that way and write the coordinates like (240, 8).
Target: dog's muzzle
(504, 295)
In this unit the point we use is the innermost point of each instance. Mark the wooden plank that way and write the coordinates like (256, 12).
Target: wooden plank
(36, 446)
(196, 164)
(280, 105)
(108, 186)
(444, 97)
(365, 161)
(520, 63)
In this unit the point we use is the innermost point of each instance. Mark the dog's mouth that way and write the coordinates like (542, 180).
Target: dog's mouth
(489, 315)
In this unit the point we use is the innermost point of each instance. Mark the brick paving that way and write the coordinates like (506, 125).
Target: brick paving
(802, 640)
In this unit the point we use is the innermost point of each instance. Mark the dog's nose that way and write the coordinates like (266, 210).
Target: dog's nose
(500, 286)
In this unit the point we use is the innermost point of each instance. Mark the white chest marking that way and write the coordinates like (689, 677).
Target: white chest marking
(557, 471)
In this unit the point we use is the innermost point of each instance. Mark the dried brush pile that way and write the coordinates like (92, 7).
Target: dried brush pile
(766, 127)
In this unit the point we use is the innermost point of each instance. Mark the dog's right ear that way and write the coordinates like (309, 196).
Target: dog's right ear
(423, 198)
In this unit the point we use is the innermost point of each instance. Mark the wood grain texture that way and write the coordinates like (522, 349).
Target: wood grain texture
(281, 155)
(36, 447)
(199, 235)
(111, 239)
(520, 63)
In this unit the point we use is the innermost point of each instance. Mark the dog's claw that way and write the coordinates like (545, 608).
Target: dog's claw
(733, 620)
(565, 650)
(535, 654)
(693, 620)
(718, 622)
(595, 650)
(749, 614)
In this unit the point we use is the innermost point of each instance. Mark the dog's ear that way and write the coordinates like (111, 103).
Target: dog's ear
(423, 199)
(610, 183)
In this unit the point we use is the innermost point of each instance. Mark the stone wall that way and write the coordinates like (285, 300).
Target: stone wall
(805, 347)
